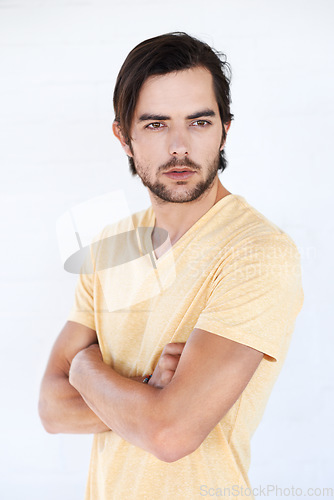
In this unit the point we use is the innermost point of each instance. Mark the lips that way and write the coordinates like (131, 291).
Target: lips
(179, 174)
(178, 170)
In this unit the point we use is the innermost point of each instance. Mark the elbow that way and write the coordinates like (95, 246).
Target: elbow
(49, 427)
(171, 445)
(46, 419)
(170, 455)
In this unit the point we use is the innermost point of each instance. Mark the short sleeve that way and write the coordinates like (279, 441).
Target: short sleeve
(83, 308)
(256, 295)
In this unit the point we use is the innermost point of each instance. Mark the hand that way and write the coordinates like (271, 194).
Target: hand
(166, 366)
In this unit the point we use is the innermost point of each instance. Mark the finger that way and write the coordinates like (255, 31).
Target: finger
(164, 380)
(168, 362)
(174, 348)
(167, 377)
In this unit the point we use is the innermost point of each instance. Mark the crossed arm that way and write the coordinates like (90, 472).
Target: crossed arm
(169, 417)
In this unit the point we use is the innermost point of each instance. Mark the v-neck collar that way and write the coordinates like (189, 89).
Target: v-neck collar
(212, 211)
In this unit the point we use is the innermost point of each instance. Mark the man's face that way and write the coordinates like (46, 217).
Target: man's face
(177, 135)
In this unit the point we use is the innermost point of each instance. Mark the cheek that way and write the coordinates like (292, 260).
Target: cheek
(149, 151)
(209, 149)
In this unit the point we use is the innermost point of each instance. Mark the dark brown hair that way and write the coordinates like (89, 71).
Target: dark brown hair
(164, 54)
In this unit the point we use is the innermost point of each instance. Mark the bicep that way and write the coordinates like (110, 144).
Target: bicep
(212, 373)
(73, 338)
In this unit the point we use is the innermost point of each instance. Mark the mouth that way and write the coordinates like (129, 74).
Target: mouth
(179, 169)
(180, 173)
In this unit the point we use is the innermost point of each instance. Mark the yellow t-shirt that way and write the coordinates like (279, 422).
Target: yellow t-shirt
(233, 273)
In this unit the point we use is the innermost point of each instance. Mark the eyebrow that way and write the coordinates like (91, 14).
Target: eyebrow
(203, 113)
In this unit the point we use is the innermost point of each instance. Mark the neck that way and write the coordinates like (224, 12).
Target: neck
(177, 218)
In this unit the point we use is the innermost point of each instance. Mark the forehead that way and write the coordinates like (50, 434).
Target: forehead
(180, 92)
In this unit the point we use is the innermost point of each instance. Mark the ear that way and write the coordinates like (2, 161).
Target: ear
(226, 127)
(118, 134)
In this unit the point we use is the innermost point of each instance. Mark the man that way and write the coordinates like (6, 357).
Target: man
(214, 334)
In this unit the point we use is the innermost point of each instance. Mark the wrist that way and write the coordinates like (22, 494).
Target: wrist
(147, 379)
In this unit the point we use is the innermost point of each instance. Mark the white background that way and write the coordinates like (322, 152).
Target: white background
(58, 64)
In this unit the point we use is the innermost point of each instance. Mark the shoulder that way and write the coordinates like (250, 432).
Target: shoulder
(237, 212)
(248, 227)
(252, 250)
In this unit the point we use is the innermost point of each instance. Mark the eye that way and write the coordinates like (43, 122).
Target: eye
(201, 123)
(155, 126)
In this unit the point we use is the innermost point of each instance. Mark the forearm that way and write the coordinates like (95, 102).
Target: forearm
(129, 408)
(62, 409)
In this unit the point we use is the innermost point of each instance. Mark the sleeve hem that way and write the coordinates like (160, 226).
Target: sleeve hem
(260, 344)
(83, 319)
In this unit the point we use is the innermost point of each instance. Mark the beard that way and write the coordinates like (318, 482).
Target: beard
(164, 193)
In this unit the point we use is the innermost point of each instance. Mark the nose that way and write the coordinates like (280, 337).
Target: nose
(178, 143)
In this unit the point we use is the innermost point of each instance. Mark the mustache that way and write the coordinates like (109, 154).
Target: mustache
(186, 162)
